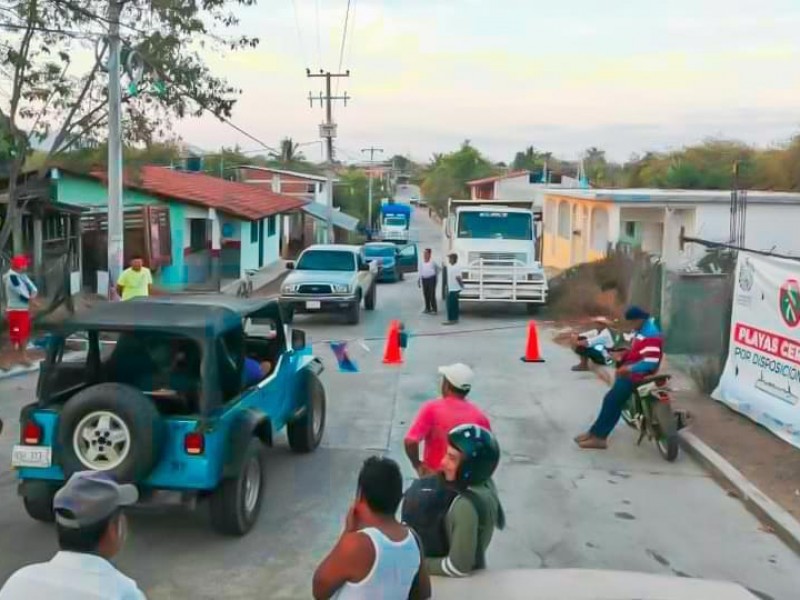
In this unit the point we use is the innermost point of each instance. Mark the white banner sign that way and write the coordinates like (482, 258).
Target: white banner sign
(761, 379)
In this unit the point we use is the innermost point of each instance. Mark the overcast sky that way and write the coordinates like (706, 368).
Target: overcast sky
(623, 75)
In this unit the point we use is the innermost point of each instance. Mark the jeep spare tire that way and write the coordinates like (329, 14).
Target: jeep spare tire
(113, 428)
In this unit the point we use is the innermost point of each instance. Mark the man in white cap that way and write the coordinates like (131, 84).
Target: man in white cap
(91, 531)
(436, 418)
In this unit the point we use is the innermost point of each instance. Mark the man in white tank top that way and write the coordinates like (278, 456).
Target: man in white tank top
(376, 557)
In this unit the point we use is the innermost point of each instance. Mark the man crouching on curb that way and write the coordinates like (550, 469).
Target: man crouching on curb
(456, 512)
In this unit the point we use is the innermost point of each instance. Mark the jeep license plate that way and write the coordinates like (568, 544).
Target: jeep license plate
(313, 304)
(31, 456)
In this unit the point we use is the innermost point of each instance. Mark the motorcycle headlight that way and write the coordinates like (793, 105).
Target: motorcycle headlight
(341, 288)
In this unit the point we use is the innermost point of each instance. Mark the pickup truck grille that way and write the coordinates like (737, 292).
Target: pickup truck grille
(314, 288)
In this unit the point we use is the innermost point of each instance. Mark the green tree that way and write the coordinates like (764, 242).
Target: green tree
(351, 194)
(448, 175)
(54, 103)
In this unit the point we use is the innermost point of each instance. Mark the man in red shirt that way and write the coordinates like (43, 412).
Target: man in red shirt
(437, 418)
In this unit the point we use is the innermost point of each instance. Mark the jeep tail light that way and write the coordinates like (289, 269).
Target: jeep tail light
(194, 443)
(32, 433)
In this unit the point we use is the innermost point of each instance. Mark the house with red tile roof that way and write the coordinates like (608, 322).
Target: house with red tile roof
(206, 229)
(310, 224)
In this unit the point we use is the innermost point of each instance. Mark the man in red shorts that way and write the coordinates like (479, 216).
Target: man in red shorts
(20, 295)
(437, 418)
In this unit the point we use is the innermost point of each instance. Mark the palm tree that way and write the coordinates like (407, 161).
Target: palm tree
(288, 153)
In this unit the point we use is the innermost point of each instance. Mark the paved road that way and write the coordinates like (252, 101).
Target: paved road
(620, 509)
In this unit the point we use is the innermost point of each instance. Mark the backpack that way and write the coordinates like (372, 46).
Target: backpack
(425, 506)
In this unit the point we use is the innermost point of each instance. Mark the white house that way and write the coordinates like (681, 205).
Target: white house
(580, 225)
(299, 232)
(518, 185)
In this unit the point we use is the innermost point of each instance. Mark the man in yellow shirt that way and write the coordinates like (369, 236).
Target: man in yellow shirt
(135, 281)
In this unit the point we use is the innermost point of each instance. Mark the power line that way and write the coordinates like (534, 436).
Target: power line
(344, 40)
(344, 34)
(222, 118)
(319, 42)
(299, 33)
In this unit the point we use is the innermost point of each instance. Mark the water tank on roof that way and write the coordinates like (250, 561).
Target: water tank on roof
(194, 163)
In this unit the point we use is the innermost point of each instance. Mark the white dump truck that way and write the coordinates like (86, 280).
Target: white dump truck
(498, 251)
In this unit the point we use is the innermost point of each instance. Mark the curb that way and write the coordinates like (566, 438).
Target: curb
(12, 373)
(757, 502)
(232, 287)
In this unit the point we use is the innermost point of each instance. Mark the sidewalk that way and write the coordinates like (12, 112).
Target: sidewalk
(261, 279)
(751, 463)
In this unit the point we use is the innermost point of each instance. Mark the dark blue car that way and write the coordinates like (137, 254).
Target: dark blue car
(394, 260)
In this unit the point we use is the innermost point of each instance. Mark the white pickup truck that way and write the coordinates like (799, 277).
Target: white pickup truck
(498, 253)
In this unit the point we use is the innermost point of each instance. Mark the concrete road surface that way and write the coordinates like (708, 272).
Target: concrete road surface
(624, 508)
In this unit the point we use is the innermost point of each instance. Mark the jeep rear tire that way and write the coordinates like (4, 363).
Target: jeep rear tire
(305, 433)
(110, 427)
(38, 500)
(236, 503)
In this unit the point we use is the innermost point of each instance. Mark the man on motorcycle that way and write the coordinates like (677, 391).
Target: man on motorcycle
(456, 511)
(643, 359)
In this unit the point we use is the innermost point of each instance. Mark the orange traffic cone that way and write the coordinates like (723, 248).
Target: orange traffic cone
(532, 353)
(391, 353)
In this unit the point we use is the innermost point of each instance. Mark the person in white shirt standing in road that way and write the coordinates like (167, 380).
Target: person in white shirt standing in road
(454, 287)
(428, 276)
(91, 530)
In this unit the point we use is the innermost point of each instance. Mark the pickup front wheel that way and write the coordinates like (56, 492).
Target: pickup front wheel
(369, 301)
(354, 312)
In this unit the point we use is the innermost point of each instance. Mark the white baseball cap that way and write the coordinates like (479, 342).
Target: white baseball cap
(459, 375)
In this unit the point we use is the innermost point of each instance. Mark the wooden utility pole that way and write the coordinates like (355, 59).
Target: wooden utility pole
(327, 131)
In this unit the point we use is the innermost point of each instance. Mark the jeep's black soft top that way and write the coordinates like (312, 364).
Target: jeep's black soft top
(192, 315)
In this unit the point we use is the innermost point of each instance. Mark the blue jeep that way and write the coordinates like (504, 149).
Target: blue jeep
(159, 398)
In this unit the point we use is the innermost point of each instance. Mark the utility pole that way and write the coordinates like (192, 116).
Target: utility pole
(327, 131)
(115, 214)
(372, 150)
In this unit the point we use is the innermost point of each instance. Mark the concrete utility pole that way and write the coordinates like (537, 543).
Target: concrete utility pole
(372, 150)
(115, 214)
(327, 131)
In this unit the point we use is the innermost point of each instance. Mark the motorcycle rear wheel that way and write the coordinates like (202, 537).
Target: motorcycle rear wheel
(665, 428)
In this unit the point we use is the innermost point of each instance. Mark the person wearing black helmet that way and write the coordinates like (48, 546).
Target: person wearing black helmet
(456, 511)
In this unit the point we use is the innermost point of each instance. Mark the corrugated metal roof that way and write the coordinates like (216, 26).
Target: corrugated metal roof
(339, 219)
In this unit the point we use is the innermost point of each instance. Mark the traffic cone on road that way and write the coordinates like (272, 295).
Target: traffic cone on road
(532, 353)
(391, 353)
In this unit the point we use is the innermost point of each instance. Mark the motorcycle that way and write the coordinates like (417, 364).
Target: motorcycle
(649, 411)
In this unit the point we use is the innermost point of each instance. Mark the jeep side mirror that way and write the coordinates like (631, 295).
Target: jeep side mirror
(289, 265)
(298, 339)
(363, 267)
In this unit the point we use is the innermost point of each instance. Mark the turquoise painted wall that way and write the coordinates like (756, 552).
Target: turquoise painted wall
(271, 251)
(90, 192)
(175, 275)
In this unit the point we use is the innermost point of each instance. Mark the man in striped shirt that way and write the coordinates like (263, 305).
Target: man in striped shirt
(643, 359)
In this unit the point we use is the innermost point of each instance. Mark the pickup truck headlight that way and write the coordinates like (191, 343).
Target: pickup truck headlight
(341, 288)
(290, 288)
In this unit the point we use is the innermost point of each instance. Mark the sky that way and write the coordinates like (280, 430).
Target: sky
(625, 76)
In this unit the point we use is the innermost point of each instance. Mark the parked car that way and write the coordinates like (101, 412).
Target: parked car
(394, 260)
(159, 400)
(330, 278)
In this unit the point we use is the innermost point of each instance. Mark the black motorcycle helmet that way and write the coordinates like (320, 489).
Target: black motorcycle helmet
(480, 453)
